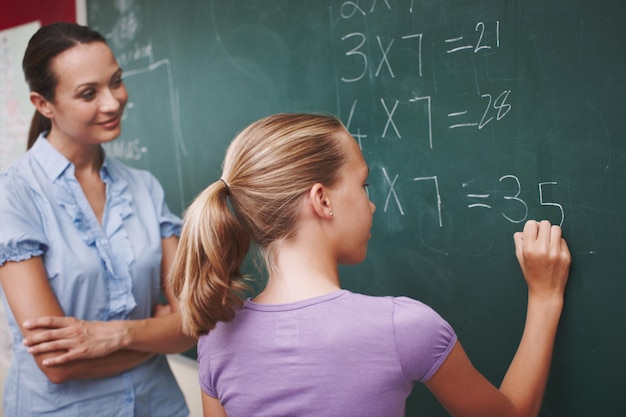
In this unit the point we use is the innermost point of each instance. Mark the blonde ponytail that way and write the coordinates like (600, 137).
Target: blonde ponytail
(206, 275)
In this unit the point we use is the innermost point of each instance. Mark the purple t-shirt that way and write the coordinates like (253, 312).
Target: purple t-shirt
(327, 356)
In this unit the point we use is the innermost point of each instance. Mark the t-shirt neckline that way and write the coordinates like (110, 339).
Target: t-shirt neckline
(249, 304)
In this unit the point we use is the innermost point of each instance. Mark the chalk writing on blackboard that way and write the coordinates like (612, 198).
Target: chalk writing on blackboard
(480, 42)
(513, 196)
(359, 66)
(499, 105)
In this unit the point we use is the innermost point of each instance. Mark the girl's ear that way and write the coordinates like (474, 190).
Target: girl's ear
(41, 104)
(320, 201)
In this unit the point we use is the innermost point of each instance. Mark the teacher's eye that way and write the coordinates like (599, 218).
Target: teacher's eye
(117, 82)
(88, 94)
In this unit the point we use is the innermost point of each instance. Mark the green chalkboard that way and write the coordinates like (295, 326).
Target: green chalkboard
(473, 116)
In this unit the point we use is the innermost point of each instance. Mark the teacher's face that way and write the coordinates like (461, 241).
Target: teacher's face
(90, 95)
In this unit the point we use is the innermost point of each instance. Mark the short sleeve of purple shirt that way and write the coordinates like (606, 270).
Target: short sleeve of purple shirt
(423, 338)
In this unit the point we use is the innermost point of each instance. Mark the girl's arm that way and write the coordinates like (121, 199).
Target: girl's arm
(29, 294)
(211, 407)
(80, 339)
(462, 390)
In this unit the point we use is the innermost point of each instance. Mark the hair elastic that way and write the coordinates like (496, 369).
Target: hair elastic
(226, 184)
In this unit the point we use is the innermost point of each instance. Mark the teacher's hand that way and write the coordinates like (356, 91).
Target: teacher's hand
(78, 339)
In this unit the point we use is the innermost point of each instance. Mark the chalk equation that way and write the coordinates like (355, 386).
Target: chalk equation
(367, 57)
(361, 62)
(518, 214)
(494, 109)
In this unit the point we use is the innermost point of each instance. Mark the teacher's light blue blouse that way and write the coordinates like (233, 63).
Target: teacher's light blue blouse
(97, 272)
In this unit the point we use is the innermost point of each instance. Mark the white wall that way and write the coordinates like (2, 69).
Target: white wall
(186, 373)
(81, 12)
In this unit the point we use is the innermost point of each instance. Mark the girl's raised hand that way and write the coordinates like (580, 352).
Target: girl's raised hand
(544, 257)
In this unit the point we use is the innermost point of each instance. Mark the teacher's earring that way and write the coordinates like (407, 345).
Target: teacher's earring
(331, 213)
